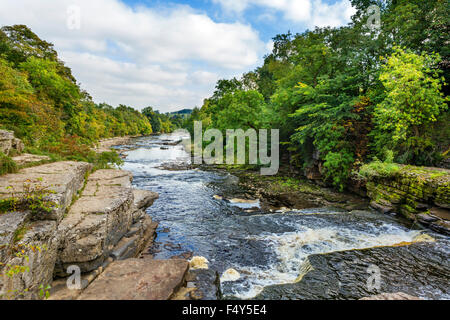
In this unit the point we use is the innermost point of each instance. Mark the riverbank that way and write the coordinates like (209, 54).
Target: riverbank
(418, 194)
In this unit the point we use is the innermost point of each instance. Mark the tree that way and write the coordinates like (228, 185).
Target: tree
(413, 94)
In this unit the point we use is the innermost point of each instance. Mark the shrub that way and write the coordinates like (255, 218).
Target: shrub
(378, 168)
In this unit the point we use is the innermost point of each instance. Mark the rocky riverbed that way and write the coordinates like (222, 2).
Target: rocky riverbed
(257, 234)
(159, 228)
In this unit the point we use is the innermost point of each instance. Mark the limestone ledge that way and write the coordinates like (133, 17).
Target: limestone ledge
(419, 194)
(96, 221)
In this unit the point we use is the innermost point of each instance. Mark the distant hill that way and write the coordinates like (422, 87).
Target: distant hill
(182, 112)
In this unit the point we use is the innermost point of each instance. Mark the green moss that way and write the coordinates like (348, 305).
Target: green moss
(408, 212)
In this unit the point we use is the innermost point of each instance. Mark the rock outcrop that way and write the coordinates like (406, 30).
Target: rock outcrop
(9, 144)
(107, 220)
(27, 159)
(28, 236)
(89, 224)
(419, 194)
(61, 180)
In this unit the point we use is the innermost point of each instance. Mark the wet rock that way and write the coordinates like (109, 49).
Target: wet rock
(345, 275)
(175, 166)
(426, 218)
(207, 284)
(412, 191)
(440, 213)
(441, 227)
(383, 208)
(138, 279)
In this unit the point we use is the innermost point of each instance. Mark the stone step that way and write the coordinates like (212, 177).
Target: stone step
(138, 279)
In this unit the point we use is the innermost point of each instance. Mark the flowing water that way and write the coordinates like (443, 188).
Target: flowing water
(266, 249)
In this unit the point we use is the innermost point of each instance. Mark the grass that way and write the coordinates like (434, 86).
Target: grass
(378, 168)
(7, 165)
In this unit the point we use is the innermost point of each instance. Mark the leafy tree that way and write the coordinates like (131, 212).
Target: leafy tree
(413, 95)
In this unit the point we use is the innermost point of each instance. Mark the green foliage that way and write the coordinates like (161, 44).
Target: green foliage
(338, 167)
(34, 197)
(162, 123)
(413, 94)
(7, 165)
(378, 168)
(42, 103)
(337, 104)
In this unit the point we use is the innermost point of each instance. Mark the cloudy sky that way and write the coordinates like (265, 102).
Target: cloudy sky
(166, 54)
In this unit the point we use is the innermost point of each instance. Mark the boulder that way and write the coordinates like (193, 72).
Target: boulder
(6, 138)
(138, 279)
(9, 144)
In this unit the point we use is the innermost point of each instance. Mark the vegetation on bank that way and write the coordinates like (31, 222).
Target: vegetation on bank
(43, 104)
(344, 96)
(7, 165)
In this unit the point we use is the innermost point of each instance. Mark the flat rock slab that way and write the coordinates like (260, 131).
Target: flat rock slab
(138, 279)
(63, 178)
(26, 159)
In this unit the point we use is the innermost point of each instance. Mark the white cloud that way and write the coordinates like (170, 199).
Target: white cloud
(307, 12)
(168, 58)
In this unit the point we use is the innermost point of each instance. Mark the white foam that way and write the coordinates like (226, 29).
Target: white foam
(292, 249)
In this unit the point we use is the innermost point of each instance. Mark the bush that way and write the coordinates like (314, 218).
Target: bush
(104, 160)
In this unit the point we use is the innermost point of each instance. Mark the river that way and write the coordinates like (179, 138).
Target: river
(269, 250)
